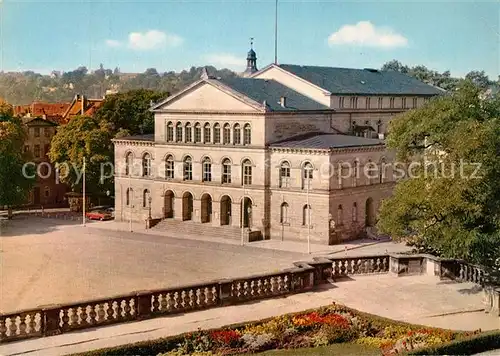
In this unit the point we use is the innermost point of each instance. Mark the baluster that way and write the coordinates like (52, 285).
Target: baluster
(274, 285)
(265, 286)
(101, 315)
(84, 315)
(170, 302)
(202, 297)
(156, 303)
(127, 309)
(212, 295)
(281, 283)
(92, 315)
(335, 269)
(3, 329)
(177, 300)
(192, 298)
(163, 302)
(111, 310)
(32, 323)
(119, 309)
(13, 326)
(22, 324)
(73, 316)
(65, 319)
(371, 265)
(342, 267)
(287, 283)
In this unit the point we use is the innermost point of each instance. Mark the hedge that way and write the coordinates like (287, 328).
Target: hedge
(473, 345)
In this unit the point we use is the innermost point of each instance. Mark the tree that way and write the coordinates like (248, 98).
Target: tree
(15, 182)
(130, 111)
(479, 78)
(450, 202)
(84, 137)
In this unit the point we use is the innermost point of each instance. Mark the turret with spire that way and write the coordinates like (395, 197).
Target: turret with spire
(251, 61)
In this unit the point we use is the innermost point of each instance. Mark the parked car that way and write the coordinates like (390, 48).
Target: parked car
(101, 214)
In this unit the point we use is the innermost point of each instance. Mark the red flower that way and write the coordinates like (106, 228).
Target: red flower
(225, 337)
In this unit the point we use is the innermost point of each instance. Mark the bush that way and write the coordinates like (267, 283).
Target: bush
(468, 346)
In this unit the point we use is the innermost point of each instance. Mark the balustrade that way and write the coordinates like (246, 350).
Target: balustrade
(360, 265)
(21, 325)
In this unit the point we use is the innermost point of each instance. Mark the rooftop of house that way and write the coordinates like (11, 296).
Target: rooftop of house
(148, 137)
(276, 96)
(38, 108)
(366, 81)
(321, 140)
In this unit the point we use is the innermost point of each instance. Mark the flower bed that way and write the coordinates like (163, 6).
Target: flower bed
(325, 326)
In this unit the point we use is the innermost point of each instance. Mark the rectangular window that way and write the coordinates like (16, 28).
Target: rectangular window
(237, 136)
(189, 137)
(169, 169)
(354, 102)
(197, 134)
(170, 133)
(26, 149)
(415, 102)
(226, 173)
(341, 102)
(227, 135)
(391, 103)
(37, 132)
(37, 151)
(247, 174)
(178, 133)
(368, 101)
(207, 172)
(285, 177)
(188, 171)
(217, 134)
(381, 103)
(206, 134)
(403, 103)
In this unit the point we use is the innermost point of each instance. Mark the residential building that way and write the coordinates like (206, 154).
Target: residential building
(81, 105)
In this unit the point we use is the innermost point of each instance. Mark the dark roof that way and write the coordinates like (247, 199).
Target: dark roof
(361, 81)
(326, 141)
(271, 91)
(149, 137)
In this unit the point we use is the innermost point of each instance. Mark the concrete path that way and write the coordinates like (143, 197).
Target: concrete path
(421, 299)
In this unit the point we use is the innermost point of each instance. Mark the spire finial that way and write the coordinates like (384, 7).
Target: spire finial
(251, 42)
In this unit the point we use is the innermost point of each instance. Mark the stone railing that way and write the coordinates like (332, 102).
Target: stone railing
(53, 320)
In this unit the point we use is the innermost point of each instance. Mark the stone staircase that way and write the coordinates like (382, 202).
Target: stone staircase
(176, 227)
(373, 234)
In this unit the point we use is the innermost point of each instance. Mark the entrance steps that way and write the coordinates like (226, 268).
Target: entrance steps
(195, 229)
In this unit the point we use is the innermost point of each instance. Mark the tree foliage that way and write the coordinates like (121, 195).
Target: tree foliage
(450, 203)
(15, 183)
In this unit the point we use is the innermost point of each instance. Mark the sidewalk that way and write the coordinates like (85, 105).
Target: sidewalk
(289, 246)
(364, 293)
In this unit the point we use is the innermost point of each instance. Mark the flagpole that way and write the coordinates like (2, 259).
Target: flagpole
(276, 34)
(308, 217)
(84, 200)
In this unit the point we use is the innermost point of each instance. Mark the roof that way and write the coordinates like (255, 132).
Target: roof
(319, 140)
(40, 108)
(75, 107)
(271, 92)
(27, 120)
(361, 81)
(149, 137)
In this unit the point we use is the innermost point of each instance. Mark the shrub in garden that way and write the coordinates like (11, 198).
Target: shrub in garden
(258, 342)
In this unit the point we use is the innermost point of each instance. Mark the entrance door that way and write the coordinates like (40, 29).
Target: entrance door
(168, 211)
(187, 206)
(206, 208)
(247, 212)
(36, 196)
(369, 213)
(225, 210)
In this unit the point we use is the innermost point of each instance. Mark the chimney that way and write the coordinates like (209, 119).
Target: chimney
(283, 101)
(83, 104)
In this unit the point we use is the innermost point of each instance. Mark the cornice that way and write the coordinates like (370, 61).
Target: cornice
(358, 149)
(298, 150)
(209, 112)
(133, 142)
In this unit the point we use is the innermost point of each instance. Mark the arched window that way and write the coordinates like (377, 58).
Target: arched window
(178, 132)
(226, 171)
(188, 168)
(340, 215)
(381, 171)
(227, 134)
(371, 169)
(284, 175)
(146, 165)
(129, 163)
(216, 133)
(207, 170)
(247, 172)
(247, 134)
(169, 167)
(306, 215)
(169, 134)
(189, 133)
(206, 133)
(145, 198)
(197, 132)
(128, 196)
(284, 213)
(307, 175)
(355, 212)
(237, 134)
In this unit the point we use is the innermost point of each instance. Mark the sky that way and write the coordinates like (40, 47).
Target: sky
(47, 35)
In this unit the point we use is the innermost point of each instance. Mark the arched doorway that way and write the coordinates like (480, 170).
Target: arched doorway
(247, 212)
(206, 208)
(168, 207)
(369, 213)
(187, 206)
(225, 210)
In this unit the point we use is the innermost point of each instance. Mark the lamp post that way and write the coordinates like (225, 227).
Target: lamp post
(84, 218)
(130, 198)
(308, 175)
(242, 210)
(150, 199)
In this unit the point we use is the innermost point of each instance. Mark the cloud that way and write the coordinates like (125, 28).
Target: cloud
(152, 39)
(226, 60)
(113, 43)
(364, 33)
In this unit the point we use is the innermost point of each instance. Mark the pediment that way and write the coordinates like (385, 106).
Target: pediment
(206, 96)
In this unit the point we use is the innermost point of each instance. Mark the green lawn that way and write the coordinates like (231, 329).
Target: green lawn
(335, 349)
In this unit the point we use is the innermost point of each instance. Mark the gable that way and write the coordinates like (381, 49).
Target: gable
(206, 97)
(298, 84)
